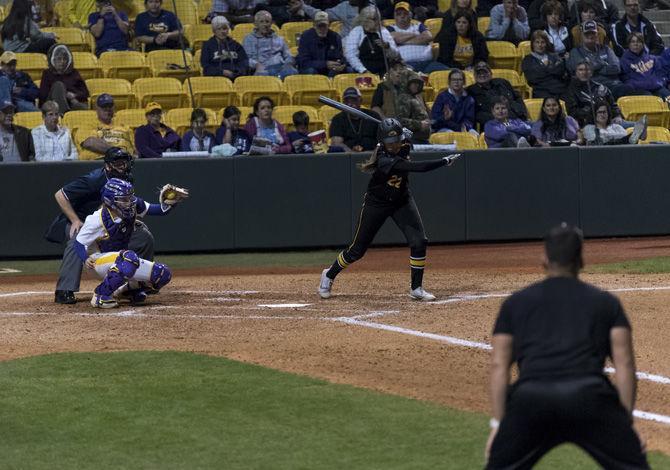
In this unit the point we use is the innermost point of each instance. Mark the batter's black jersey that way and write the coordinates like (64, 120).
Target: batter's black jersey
(390, 180)
(560, 327)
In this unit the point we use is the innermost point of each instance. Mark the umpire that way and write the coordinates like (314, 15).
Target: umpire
(77, 200)
(560, 331)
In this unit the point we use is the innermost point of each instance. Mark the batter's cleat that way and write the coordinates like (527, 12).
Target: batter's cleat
(420, 294)
(103, 301)
(65, 297)
(325, 285)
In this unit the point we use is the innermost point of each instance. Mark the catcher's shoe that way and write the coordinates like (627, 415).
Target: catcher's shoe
(65, 297)
(420, 294)
(325, 285)
(103, 301)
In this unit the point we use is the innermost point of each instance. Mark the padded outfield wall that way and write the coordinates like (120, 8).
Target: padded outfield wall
(281, 202)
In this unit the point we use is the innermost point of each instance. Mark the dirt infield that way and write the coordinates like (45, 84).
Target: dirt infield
(369, 334)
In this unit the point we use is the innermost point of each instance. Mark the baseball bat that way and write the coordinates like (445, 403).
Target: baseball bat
(347, 109)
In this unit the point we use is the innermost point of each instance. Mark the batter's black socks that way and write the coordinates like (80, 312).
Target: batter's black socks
(417, 264)
(339, 264)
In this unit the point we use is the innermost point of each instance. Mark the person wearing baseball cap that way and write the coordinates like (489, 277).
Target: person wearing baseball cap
(349, 133)
(17, 142)
(97, 139)
(16, 85)
(154, 138)
(320, 49)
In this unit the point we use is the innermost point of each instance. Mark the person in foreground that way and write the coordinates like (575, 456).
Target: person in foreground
(102, 245)
(560, 331)
(388, 195)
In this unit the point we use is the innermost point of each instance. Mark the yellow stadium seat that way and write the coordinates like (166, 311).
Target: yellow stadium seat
(294, 51)
(463, 140)
(132, 118)
(204, 7)
(336, 26)
(345, 80)
(180, 120)
(79, 119)
(166, 91)
(196, 62)
(523, 48)
(74, 38)
(243, 29)
(439, 80)
(654, 134)
(306, 89)
(517, 82)
(211, 92)
(129, 65)
(31, 63)
(482, 141)
(326, 114)
(245, 111)
(292, 31)
(389, 22)
(119, 88)
(502, 55)
(187, 11)
(170, 63)
(198, 34)
(433, 25)
(634, 107)
(534, 106)
(61, 13)
(87, 65)
(284, 114)
(443, 5)
(483, 23)
(28, 119)
(249, 88)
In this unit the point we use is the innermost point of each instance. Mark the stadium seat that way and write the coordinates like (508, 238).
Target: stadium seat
(389, 22)
(80, 119)
(170, 63)
(345, 80)
(245, 111)
(292, 31)
(243, 29)
(187, 11)
(482, 141)
(534, 106)
(306, 89)
(119, 88)
(433, 25)
(29, 119)
(129, 65)
(294, 51)
(198, 34)
(61, 12)
(249, 88)
(634, 107)
(74, 38)
(463, 140)
(132, 118)
(326, 114)
(654, 134)
(32, 63)
(87, 65)
(524, 49)
(166, 91)
(443, 5)
(179, 119)
(196, 62)
(336, 26)
(515, 80)
(211, 92)
(284, 114)
(502, 55)
(483, 23)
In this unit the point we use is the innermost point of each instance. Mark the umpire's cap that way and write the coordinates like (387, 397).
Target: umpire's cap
(563, 245)
(390, 131)
(116, 153)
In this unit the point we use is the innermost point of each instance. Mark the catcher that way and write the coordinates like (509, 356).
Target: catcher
(102, 244)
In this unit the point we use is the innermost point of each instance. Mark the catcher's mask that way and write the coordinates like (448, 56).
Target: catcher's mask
(390, 131)
(118, 163)
(120, 195)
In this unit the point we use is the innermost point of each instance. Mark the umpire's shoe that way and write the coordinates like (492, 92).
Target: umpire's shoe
(325, 285)
(420, 294)
(65, 297)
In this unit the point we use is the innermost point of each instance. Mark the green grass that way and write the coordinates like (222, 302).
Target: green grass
(153, 410)
(642, 266)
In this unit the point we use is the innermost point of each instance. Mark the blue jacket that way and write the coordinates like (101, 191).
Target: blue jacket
(313, 51)
(240, 139)
(463, 110)
(496, 132)
(30, 91)
(642, 71)
(229, 55)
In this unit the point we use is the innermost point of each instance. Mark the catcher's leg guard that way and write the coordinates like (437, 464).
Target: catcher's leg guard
(160, 275)
(123, 269)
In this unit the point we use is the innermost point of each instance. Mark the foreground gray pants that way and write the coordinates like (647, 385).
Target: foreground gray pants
(141, 242)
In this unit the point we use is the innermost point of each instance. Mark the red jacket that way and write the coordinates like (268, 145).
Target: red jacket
(72, 81)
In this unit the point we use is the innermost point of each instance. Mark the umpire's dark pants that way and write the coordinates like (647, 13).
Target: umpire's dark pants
(69, 275)
(540, 415)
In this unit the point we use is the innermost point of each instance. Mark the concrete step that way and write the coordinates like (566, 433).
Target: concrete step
(666, 39)
(657, 15)
(663, 27)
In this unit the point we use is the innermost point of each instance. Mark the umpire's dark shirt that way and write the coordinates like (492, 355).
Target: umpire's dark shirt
(560, 327)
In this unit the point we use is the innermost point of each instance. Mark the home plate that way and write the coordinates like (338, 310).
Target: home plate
(283, 305)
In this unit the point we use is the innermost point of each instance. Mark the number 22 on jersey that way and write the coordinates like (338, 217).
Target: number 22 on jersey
(395, 181)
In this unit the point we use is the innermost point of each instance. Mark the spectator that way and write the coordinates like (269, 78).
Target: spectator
(109, 28)
(320, 49)
(346, 12)
(231, 133)
(642, 70)
(386, 94)
(544, 70)
(413, 41)
(364, 49)
(607, 13)
(607, 132)
(554, 128)
(154, 138)
(509, 22)
(198, 138)
(62, 83)
(16, 86)
(295, 12)
(95, 142)
(53, 142)
(262, 124)
(583, 91)
(486, 89)
(351, 133)
(157, 28)
(236, 11)
(423, 9)
(538, 11)
(463, 46)
(588, 12)
(454, 109)
(411, 109)
(20, 33)
(554, 25)
(633, 21)
(502, 132)
(450, 15)
(267, 51)
(221, 55)
(16, 142)
(300, 137)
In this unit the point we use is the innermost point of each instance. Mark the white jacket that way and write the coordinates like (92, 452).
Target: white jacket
(53, 146)
(352, 44)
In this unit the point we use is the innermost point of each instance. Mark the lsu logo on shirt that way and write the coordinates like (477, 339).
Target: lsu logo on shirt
(225, 55)
(158, 27)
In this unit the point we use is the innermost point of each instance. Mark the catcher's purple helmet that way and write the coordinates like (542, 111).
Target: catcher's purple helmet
(120, 195)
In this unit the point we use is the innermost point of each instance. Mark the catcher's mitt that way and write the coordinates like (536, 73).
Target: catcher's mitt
(171, 195)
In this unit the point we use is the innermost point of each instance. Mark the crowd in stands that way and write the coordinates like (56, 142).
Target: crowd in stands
(582, 57)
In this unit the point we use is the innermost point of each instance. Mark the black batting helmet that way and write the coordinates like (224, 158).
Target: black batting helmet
(390, 131)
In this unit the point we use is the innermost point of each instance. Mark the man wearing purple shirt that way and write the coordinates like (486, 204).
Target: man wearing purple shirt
(502, 132)
(155, 137)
